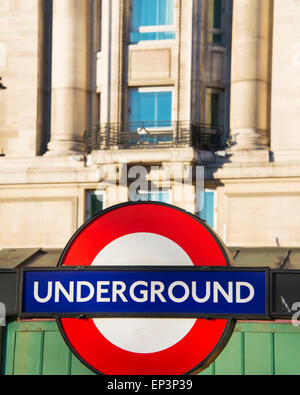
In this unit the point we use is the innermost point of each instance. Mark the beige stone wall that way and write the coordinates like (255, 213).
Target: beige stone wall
(151, 66)
(258, 199)
(18, 69)
(37, 216)
(42, 200)
(285, 136)
(259, 212)
(250, 212)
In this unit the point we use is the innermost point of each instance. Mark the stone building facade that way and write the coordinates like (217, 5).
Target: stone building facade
(95, 88)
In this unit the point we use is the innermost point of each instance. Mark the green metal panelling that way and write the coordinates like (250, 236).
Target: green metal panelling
(260, 348)
(55, 350)
(1, 345)
(230, 361)
(27, 353)
(287, 353)
(37, 348)
(258, 353)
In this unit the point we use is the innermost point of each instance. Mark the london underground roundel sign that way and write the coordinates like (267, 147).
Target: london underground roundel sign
(145, 234)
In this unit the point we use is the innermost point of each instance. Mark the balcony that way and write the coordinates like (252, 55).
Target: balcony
(154, 135)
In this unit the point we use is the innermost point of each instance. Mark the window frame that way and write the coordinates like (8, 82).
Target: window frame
(156, 89)
(209, 91)
(167, 28)
(88, 194)
(212, 30)
(215, 202)
(161, 190)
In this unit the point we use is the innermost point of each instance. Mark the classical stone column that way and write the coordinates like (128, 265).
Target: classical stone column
(69, 76)
(250, 78)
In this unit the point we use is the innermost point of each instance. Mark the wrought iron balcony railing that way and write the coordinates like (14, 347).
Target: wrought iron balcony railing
(151, 135)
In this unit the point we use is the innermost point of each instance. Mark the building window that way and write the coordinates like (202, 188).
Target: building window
(215, 22)
(150, 107)
(207, 212)
(216, 114)
(94, 203)
(162, 196)
(214, 107)
(152, 20)
(150, 116)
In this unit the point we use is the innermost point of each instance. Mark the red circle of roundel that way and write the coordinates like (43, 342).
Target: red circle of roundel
(206, 338)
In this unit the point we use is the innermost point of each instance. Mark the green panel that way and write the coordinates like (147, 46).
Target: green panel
(37, 347)
(210, 371)
(230, 361)
(258, 353)
(1, 344)
(255, 348)
(287, 353)
(8, 351)
(27, 359)
(56, 354)
(79, 368)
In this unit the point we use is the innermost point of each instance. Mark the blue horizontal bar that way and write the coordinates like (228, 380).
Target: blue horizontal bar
(132, 291)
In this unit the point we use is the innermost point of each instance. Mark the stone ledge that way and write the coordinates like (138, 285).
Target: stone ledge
(229, 170)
